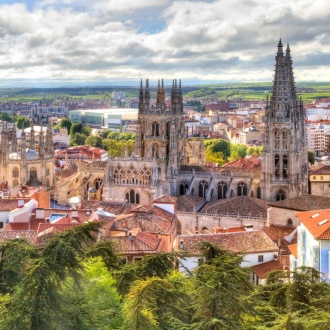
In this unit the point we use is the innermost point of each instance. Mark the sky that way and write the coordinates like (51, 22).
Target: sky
(102, 42)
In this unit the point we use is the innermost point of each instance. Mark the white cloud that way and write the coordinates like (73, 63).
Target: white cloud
(213, 40)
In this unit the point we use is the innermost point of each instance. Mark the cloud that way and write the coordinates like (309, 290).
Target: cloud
(224, 40)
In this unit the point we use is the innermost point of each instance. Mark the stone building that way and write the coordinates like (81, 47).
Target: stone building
(284, 156)
(27, 160)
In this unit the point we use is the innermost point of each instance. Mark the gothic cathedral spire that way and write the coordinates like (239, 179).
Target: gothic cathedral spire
(284, 157)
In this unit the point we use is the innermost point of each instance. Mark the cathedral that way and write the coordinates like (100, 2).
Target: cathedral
(160, 163)
(26, 159)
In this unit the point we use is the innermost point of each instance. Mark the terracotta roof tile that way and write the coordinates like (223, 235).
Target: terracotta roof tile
(317, 222)
(303, 203)
(263, 269)
(11, 204)
(294, 250)
(321, 169)
(142, 243)
(30, 235)
(188, 203)
(244, 163)
(242, 205)
(244, 242)
(165, 199)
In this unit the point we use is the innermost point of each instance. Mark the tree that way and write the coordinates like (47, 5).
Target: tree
(94, 141)
(65, 123)
(311, 158)
(75, 128)
(237, 151)
(39, 297)
(220, 285)
(78, 139)
(22, 121)
(158, 303)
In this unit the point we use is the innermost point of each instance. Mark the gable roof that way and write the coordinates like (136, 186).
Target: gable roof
(165, 199)
(317, 222)
(244, 163)
(141, 243)
(294, 250)
(263, 269)
(321, 169)
(29, 235)
(303, 203)
(243, 205)
(243, 242)
(188, 203)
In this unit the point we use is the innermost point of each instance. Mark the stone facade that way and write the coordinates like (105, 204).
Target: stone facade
(284, 156)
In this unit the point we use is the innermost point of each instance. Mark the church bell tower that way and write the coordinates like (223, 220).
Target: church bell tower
(284, 156)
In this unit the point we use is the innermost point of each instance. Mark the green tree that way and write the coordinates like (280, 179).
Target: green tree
(76, 128)
(22, 121)
(220, 286)
(158, 303)
(78, 139)
(237, 151)
(311, 158)
(94, 141)
(66, 123)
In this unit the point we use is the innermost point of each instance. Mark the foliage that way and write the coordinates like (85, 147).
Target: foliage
(237, 151)
(5, 117)
(94, 141)
(22, 122)
(66, 123)
(254, 151)
(78, 139)
(311, 158)
(117, 148)
(76, 128)
(217, 150)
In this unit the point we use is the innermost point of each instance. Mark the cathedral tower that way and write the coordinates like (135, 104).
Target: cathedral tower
(284, 156)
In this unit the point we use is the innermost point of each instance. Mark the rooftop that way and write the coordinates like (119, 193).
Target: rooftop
(303, 203)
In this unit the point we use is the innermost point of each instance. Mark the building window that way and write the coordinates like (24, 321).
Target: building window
(15, 172)
(277, 140)
(289, 223)
(183, 188)
(98, 183)
(132, 197)
(285, 166)
(242, 189)
(277, 166)
(137, 259)
(222, 190)
(155, 129)
(285, 140)
(261, 258)
(280, 195)
(259, 192)
(202, 188)
(33, 173)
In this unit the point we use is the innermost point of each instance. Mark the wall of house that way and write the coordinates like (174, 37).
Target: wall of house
(22, 215)
(190, 222)
(308, 249)
(279, 216)
(249, 261)
(325, 259)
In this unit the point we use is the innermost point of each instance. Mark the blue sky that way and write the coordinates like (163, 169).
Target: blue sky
(103, 41)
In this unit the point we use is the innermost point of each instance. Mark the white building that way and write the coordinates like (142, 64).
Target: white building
(314, 241)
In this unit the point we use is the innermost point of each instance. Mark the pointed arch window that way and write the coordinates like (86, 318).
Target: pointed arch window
(280, 195)
(242, 189)
(98, 183)
(285, 166)
(184, 188)
(33, 173)
(277, 139)
(285, 140)
(259, 192)
(202, 188)
(155, 129)
(222, 190)
(132, 197)
(15, 172)
(277, 166)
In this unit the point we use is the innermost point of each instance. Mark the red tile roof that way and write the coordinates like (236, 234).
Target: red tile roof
(303, 203)
(294, 250)
(244, 163)
(317, 222)
(263, 269)
(243, 242)
(30, 235)
(187, 203)
(165, 199)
